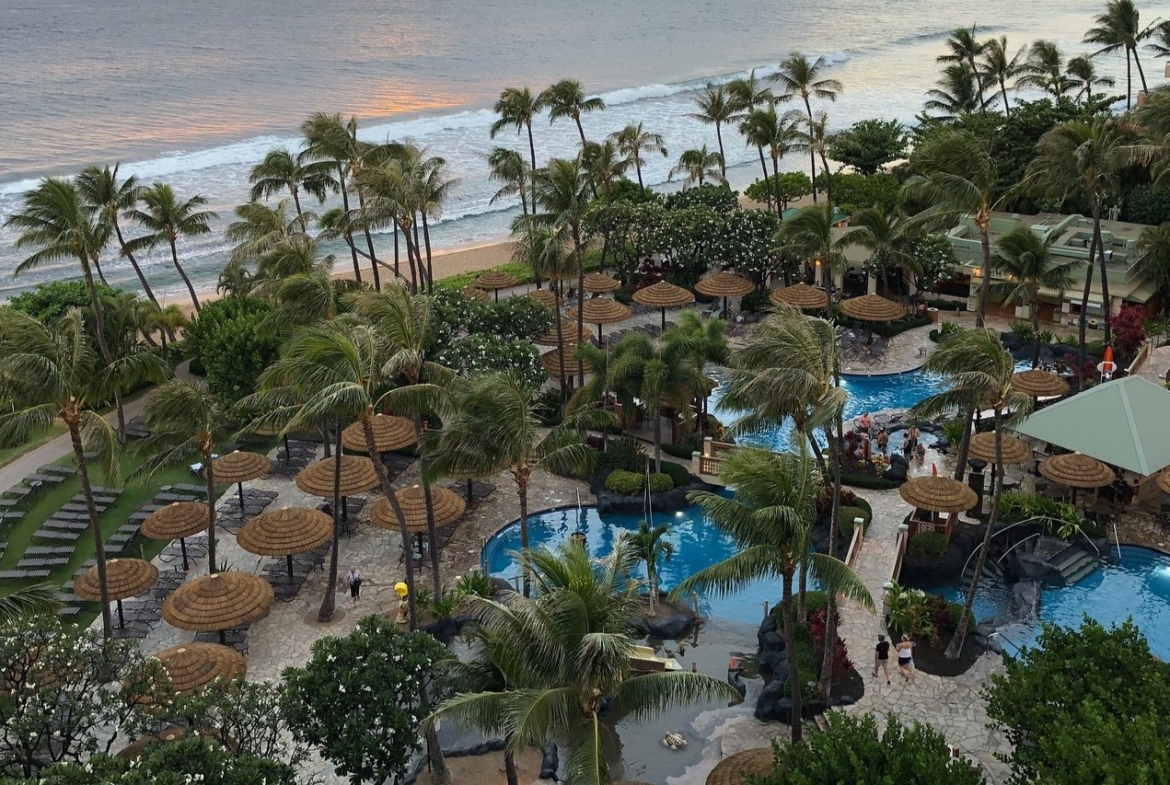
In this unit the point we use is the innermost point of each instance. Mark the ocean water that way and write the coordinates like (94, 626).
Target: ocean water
(196, 93)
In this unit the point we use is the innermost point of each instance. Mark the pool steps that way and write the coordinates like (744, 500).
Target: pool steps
(1075, 563)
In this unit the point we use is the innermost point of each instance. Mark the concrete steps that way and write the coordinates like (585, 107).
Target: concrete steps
(1074, 564)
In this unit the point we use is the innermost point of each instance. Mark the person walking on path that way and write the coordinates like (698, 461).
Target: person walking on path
(353, 579)
(905, 649)
(881, 657)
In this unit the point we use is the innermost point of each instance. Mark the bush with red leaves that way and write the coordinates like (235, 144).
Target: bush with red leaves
(841, 661)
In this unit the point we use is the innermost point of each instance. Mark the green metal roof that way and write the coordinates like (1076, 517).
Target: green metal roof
(1125, 423)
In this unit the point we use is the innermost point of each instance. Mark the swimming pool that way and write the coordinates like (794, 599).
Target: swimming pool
(697, 543)
(1138, 586)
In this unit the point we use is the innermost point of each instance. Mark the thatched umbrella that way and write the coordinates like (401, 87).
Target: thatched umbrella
(731, 770)
(1077, 471)
(568, 335)
(167, 735)
(1163, 480)
(472, 293)
(602, 311)
(724, 284)
(448, 507)
(596, 283)
(270, 431)
(802, 296)
(544, 297)
(124, 578)
(357, 476)
(938, 494)
(1014, 451)
(494, 281)
(237, 467)
(177, 521)
(663, 295)
(872, 308)
(552, 362)
(1038, 384)
(193, 666)
(390, 433)
(285, 532)
(218, 602)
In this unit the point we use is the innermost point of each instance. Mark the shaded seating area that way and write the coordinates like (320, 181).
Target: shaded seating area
(294, 457)
(448, 508)
(223, 605)
(231, 515)
(937, 502)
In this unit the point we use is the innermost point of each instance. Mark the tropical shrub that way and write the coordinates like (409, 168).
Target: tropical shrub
(909, 613)
(232, 351)
(48, 302)
(825, 498)
(855, 191)
(548, 407)
(660, 483)
(944, 614)
(947, 329)
(793, 186)
(953, 429)
(487, 353)
(476, 583)
(927, 544)
(679, 476)
(1129, 332)
(816, 628)
(624, 483)
(935, 262)
(745, 242)
(1023, 331)
(756, 301)
(869, 145)
(627, 453)
(1057, 517)
(719, 198)
(516, 318)
(845, 518)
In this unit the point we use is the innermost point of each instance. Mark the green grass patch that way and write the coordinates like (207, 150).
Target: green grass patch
(521, 272)
(10, 454)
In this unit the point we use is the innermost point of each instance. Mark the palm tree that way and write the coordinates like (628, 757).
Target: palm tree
(543, 248)
(107, 197)
(888, 235)
(330, 139)
(955, 174)
(1025, 261)
(495, 427)
(633, 139)
(391, 195)
(166, 219)
(56, 220)
(517, 107)
(699, 165)
(566, 98)
(771, 519)
(258, 228)
(564, 652)
(166, 321)
(1153, 259)
(50, 373)
(809, 235)
(800, 76)
(434, 187)
(746, 95)
(956, 93)
(1082, 76)
(977, 371)
(764, 129)
(998, 68)
(963, 49)
(125, 326)
(1080, 159)
(814, 138)
(1119, 27)
(1044, 69)
(650, 545)
(281, 170)
(716, 107)
(509, 168)
(605, 164)
(708, 343)
(26, 601)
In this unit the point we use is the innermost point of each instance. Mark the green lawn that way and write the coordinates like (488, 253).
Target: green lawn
(10, 454)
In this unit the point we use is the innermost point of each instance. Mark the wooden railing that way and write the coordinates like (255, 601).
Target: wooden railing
(855, 544)
(900, 549)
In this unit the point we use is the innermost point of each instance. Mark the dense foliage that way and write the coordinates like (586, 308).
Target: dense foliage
(855, 192)
(226, 341)
(49, 301)
(869, 145)
(485, 353)
(793, 186)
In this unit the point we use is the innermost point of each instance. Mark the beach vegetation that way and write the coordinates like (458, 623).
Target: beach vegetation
(226, 339)
(167, 218)
(789, 187)
(802, 78)
(868, 145)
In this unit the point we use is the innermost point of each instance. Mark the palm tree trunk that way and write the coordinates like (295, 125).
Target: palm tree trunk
(296, 197)
(329, 601)
(1035, 306)
(121, 415)
(357, 270)
(430, 269)
(964, 445)
(422, 271)
(510, 767)
(397, 273)
(101, 276)
(658, 439)
(838, 449)
(828, 185)
(98, 315)
(1141, 73)
(440, 774)
(722, 156)
(1128, 80)
(1106, 310)
(133, 262)
(955, 647)
(522, 494)
(209, 476)
(638, 169)
(1084, 321)
(388, 492)
(776, 183)
(429, 503)
(1007, 109)
(532, 175)
(561, 346)
(787, 611)
(580, 300)
(410, 258)
(580, 130)
(983, 221)
(99, 548)
(183, 274)
(812, 155)
(369, 243)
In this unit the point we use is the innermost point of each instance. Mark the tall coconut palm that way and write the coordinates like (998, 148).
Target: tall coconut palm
(771, 518)
(650, 545)
(1025, 260)
(258, 228)
(715, 107)
(563, 653)
(392, 195)
(964, 49)
(888, 235)
(508, 167)
(809, 235)
(955, 95)
(955, 174)
(746, 95)
(1080, 159)
(800, 77)
(699, 165)
(1082, 76)
(764, 129)
(495, 427)
(1119, 28)
(126, 324)
(567, 98)
(108, 197)
(998, 67)
(814, 137)
(708, 343)
(52, 373)
(605, 164)
(544, 249)
(1045, 69)
(434, 188)
(1153, 259)
(330, 139)
(282, 171)
(517, 107)
(977, 373)
(165, 321)
(166, 218)
(632, 140)
(56, 221)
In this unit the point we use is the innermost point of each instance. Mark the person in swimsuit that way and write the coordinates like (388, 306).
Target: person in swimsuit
(905, 649)
(881, 657)
(864, 423)
(883, 440)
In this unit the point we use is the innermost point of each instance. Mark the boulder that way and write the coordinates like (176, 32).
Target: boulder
(1026, 599)
(771, 701)
(766, 626)
(668, 501)
(1031, 567)
(550, 761)
(772, 641)
(667, 625)
(773, 664)
(896, 472)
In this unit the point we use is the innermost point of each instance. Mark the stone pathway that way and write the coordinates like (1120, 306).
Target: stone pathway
(1158, 366)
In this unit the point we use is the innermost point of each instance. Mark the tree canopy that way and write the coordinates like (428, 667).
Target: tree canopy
(869, 145)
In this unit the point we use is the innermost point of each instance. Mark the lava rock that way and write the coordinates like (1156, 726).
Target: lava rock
(1030, 567)
(550, 761)
(500, 586)
(773, 641)
(896, 472)
(1026, 599)
(772, 701)
(667, 626)
(766, 626)
(773, 664)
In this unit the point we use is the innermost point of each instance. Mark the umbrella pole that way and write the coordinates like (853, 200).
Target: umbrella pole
(663, 318)
(222, 638)
(240, 486)
(287, 450)
(183, 548)
(497, 293)
(600, 340)
(344, 508)
(469, 490)
(288, 563)
(121, 618)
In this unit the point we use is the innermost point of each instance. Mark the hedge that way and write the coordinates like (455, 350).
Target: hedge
(845, 517)
(930, 544)
(660, 483)
(682, 451)
(677, 474)
(622, 482)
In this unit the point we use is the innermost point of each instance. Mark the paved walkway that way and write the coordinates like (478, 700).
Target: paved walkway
(1158, 366)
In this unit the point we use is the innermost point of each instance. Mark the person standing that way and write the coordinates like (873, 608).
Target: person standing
(881, 657)
(353, 579)
(905, 649)
(883, 440)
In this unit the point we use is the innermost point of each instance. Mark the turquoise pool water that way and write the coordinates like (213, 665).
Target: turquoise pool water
(1138, 586)
(697, 544)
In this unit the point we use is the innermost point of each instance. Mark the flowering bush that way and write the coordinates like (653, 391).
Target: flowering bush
(481, 353)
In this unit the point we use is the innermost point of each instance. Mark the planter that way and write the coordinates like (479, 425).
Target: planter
(933, 314)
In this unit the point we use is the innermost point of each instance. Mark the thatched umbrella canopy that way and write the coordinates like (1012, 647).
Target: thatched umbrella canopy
(494, 281)
(552, 362)
(1014, 450)
(802, 296)
(448, 507)
(1038, 384)
(357, 476)
(731, 770)
(872, 308)
(1163, 480)
(217, 602)
(124, 578)
(568, 334)
(193, 666)
(544, 297)
(472, 293)
(602, 311)
(285, 532)
(1077, 471)
(663, 295)
(178, 520)
(596, 283)
(134, 750)
(390, 433)
(237, 467)
(938, 494)
(725, 284)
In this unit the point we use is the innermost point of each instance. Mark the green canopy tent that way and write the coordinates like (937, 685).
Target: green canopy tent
(1124, 423)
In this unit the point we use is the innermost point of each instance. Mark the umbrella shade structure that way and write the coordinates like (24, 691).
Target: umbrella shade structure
(124, 578)
(663, 295)
(357, 476)
(938, 494)
(448, 507)
(193, 666)
(596, 283)
(237, 467)
(285, 532)
(1014, 450)
(178, 520)
(568, 335)
(552, 362)
(134, 750)
(390, 433)
(214, 603)
(1038, 384)
(1163, 480)
(494, 281)
(872, 308)
(544, 297)
(802, 296)
(479, 295)
(724, 284)
(602, 311)
(1077, 471)
(732, 769)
